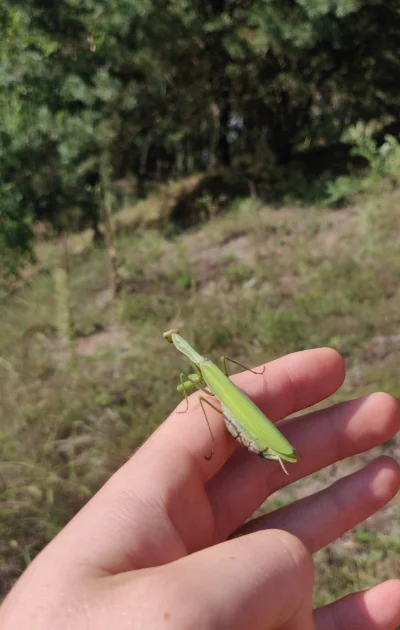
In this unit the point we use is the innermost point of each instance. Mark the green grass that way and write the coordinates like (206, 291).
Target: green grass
(253, 284)
(363, 559)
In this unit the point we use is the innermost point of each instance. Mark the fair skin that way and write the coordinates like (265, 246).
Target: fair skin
(163, 545)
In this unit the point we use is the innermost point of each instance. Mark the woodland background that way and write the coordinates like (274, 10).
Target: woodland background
(236, 159)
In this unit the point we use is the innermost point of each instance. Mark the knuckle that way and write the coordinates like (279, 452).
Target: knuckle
(299, 555)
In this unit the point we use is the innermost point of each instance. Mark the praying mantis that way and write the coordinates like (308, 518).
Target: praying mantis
(243, 419)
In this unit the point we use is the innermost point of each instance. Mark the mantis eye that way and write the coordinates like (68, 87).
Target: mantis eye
(168, 335)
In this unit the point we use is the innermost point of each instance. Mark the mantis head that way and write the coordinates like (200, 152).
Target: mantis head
(168, 335)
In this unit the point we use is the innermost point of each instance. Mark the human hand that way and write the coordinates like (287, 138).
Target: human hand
(151, 549)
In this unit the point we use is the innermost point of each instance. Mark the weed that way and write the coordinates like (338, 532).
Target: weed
(237, 272)
(186, 280)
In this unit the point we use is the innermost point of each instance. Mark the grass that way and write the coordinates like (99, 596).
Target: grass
(363, 559)
(253, 284)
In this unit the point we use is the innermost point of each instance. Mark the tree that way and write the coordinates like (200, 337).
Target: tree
(165, 88)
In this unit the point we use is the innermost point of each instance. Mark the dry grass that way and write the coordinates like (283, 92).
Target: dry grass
(254, 284)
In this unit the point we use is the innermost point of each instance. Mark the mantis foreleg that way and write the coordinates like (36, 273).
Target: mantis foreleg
(194, 383)
(187, 386)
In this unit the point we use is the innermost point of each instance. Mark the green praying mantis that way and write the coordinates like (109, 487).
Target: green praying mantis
(243, 419)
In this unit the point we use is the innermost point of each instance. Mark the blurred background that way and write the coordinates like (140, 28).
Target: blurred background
(233, 161)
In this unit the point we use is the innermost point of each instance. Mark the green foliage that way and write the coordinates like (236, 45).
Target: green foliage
(15, 232)
(341, 189)
(186, 280)
(167, 90)
(383, 160)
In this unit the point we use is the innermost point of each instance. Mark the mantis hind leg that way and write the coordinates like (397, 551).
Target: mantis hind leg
(225, 359)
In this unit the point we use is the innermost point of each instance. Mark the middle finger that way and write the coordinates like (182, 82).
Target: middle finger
(324, 516)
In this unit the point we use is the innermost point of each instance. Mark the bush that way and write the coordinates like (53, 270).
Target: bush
(383, 160)
(15, 232)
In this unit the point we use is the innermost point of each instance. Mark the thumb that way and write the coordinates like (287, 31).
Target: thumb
(262, 581)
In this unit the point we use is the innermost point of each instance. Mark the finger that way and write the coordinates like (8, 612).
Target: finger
(287, 385)
(263, 581)
(322, 517)
(377, 608)
(322, 438)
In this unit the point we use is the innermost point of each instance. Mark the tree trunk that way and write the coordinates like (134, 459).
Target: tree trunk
(223, 147)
